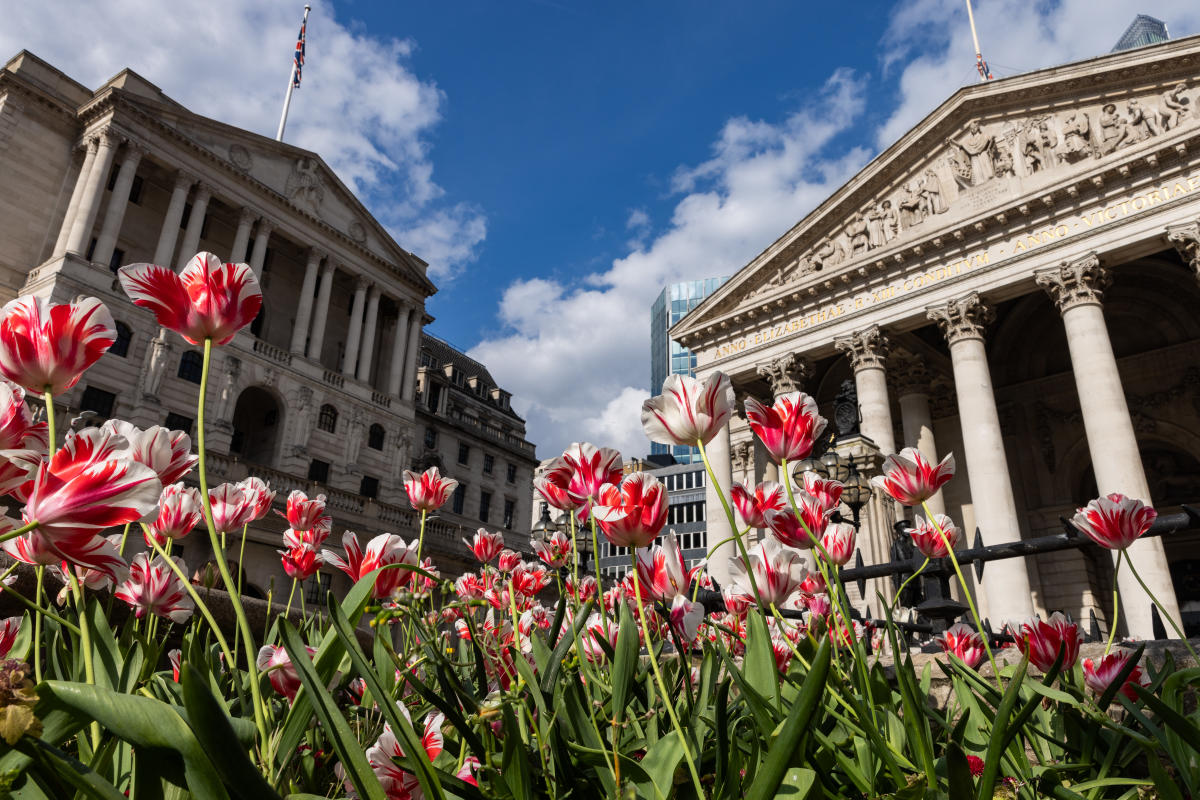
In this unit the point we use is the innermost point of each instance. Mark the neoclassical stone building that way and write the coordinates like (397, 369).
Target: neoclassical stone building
(319, 393)
(1016, 281)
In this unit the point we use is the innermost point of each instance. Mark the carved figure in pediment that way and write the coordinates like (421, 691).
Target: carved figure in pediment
(911, 212)
(856, 229)
(875, 235)
(1077, 137)
(1142, 123)
(829, 254)
(931, 194)
(1114, 130)
(1003, 163)
(156, 367)
(979, 148)
(1175, 107)
(305, 185)
(1041, 146)
(891, 220)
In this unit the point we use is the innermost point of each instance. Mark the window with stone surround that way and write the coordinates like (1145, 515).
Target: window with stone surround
(98, 400)
(124, 336)
(327, 418)
(318, 471)
(179, 422)
(485, 505)
(191, 366)
(375, 435)
(369, 486)
(460, 498)
(510, 474)
(489, 463)
(464, 453)
(510, 506)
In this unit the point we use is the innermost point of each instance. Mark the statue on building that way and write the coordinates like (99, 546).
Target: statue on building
(931, 194)
(979, 149)
(1003, 163)
(1142, 124)
(856, 229)
(876, 236)
(829, 254)
(1077, 137)
(355, 430)
(891, 221)
(305, 185)
(1114, 130)
(228, 391)
(1040, 151)
(1175, 107)
(743, 458)
(300, 410)
(159, 353)
(909, 202)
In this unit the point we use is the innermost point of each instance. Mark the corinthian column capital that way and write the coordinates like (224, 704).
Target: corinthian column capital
(1186, 238)
(866, 349)
(909, 374)
(785, 374)
(964, 318)
(1075, 283)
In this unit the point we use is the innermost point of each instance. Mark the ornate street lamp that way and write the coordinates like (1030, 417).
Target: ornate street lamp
(545, 526)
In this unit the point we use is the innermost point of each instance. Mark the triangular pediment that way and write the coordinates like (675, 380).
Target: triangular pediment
(988, 155)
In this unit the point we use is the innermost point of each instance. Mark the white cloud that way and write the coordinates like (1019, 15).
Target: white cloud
(360, 105)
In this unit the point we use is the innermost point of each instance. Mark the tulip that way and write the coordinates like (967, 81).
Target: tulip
(814, 584)
(587, 589)
(101, 553)
(827, 493)
(468, 587)
(311, 538)
(175, 656)
(752, 503)
(554, 549)
(802, 527)
(485, 545)
(963, 643)
(1115, 521)
(18, 432)
(508, 561)
(778, 572)
(598, 629)
(466, 773)
(634, 514)
(935, 537)
(592, 469)
(180, 509)
(231, 508)
(301, 563)
(153, 587)
(384, 549)
(910, 479)
(976, 765)
(278, 666)
(688, 411)
(1099, 677)
(46, 347)
(259, 495)
(168, 453)
(530, 578)
(789, 428)
(399, 783)
(838, 541)
(663, 572)
(1042, 641)
(686, 617)
(428, 491)
(9, 629)
(553, 485)
(303, 514)
(207, 300)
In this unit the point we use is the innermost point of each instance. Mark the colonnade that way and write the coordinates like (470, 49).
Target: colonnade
(250, 244)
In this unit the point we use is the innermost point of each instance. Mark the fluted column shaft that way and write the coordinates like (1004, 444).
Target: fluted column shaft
(164, 251)
(191, 236)
(916, 418)
(321, 313)
(412, 355)
(366, 353)
(354, 334)
(110, 229)
(89, 202)
(304, 308)
(241, 238)
(1007, 580)
(716, 523)
(261, 238)
(1077, 288)
(64, 231)
(400, 337)
(867, 350)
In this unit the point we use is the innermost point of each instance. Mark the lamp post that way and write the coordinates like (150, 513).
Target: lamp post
(856, 489)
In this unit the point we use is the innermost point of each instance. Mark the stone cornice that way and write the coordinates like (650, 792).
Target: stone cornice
(1075, 283)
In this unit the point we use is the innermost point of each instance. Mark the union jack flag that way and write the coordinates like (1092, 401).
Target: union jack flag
(298, 59)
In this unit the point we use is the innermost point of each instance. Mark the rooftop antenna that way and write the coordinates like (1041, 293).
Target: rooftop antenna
(985, 73)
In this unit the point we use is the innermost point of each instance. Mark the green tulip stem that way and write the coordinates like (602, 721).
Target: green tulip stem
(1112, 621)
(37, 625)
(19, 531)
(85, 642)
(907, 581)
(190, 589)
(287, 612)
(51, 434)
(737, 537)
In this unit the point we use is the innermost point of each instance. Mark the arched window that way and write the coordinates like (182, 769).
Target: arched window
(191, 366)
(375, 437)
(121, 346)
(327, 419)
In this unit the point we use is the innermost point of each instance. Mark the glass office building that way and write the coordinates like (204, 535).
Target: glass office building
(1144, 30)
(666, 356)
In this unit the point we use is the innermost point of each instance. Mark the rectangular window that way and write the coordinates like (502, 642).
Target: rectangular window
(98, 400)
(485, 505)
(318, 471)
(315, 588)
(369, 487)
(179, 422)
(460, 498)
(489, 463)
(430, 438)
(464, 454)
(433, 396)
(510, 506)
(511, 473)
(118, 258)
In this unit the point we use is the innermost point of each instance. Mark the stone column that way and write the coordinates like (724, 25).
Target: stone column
(785, 375)
(110, 229)
(1077, 289)
(366, 353)
(1006, 581)
(396, 373)
(89, 201)
(191, 236)
(304, 308)
(716, 523)
(164, 251)
(412, 354)
(241, 239)
(912, 383)
(64, 231)
(317, 341)
(867, 350)
(354, 334)
(261, 237)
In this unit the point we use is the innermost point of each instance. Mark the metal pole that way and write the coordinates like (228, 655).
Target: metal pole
(287, 99)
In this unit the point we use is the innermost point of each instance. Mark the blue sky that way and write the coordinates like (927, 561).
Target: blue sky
(558, 162)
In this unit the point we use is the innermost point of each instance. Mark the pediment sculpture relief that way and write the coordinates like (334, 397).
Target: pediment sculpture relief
(305, 185)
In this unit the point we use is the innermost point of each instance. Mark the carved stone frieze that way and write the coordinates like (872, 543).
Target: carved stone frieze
(786, 373)
(240, 157)
(1186, 239)
(742, 457)
(866, 349)
(1075, 283)
(964, 318)
(305, 185)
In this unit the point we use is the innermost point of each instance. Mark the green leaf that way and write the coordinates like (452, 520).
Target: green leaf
(958, 772)
(625, 662)
(70, 770)
(996, 743)
(514, 770)
(759, 666)
(660, 763)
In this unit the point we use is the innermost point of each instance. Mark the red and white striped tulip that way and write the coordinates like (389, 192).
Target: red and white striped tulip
(587, 589)
(554, 550)
(180, 510)
(1099, 677)
(1115, 521)
(910, 479)
(827, 493)
(750, 504)
(168, 453)
(686, 617)
(689, 410)
(800, 528)
(964, 643)
(598, 629)
(232, 509)
(663, 572)
(398, 783)
(301, 562)
(633, 514)
(789, 428)
(312, 538)
(1042, 641)
(153, 588)
(778, 572)
(304, 514)
(207, 300)
(278, 666)
(554, 484)
(175, 656)
(485, 545)
(19, 433)
(838, 541)
(46, 347)
(259, 495)
(428, 491)
(100, 554)
(932, 543)
(592, 469)
(508, 561)
(9, 629)
(530, 578)
(384, 549)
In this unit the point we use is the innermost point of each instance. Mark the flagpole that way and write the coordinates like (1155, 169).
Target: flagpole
(287, 99)
(984, 73)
